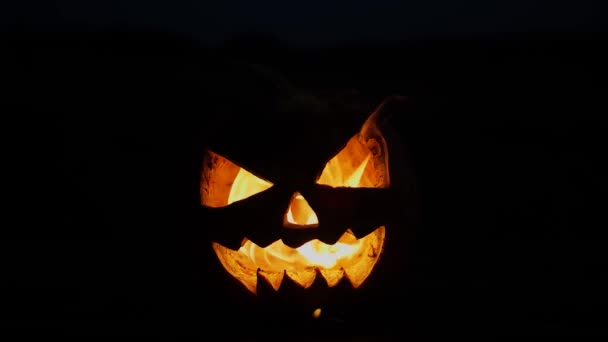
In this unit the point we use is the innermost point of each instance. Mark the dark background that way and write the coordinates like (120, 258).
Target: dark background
(504, 125)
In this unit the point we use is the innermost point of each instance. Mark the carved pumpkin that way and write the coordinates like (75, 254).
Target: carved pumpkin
(317, 212)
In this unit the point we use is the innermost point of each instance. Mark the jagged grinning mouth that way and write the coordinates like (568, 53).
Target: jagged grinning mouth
(349, 257)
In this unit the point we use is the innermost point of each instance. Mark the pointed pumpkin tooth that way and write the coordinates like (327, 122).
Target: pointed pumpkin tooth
(272, 278)
(293, 240)
(364, 262)
(288, 287)
(362, 229)
(330, 238)
(296, 238)
(348, 237)
(316, 293)
(344, 286)
(263, 241)
(238, 265)
(332, 277)
(264, 289)
(303, 278)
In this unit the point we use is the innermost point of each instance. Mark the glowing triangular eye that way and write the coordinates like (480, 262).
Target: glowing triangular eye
(362, 163)
(356, 166)
(347, 168)
(246, 184)
(224, 182)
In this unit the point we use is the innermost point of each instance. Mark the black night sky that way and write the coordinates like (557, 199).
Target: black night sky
(321, 22)
(110, 105)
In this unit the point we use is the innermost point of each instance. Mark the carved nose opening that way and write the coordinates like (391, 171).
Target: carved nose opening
(299, 214)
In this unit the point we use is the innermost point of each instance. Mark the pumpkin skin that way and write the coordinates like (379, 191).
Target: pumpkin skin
(285, 139)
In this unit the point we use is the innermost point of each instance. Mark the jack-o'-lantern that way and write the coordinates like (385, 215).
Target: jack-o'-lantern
(318, 211)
